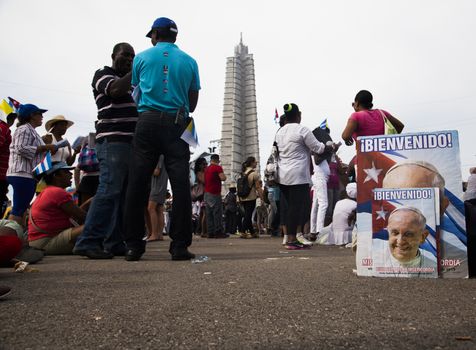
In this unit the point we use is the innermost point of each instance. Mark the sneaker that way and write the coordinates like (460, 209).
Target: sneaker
(285, 239)
(300, 237)
(245, 235)
(295, 246)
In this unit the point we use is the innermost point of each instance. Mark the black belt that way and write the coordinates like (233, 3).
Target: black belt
(165, 118)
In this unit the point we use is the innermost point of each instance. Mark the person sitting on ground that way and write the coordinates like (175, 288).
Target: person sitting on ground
(49, 226)
(10, 243)
(343, 220)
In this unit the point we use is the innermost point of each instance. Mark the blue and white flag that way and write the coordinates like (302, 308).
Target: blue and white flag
(324, 124)
(44, 165)
(190, 134)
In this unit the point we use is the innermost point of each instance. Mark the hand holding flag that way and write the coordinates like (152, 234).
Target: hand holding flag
(44, 165)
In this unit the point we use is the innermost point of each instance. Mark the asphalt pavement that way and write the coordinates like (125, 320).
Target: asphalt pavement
(251, 294)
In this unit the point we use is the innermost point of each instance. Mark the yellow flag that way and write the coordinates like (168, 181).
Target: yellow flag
(5, 109)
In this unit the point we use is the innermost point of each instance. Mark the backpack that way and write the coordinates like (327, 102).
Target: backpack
(243, 187)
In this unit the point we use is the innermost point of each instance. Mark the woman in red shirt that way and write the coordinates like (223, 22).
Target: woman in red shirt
(54, 219)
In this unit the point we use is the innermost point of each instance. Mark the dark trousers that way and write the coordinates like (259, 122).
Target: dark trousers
(230, 221)
(157, 134)
(214, 210)
(296, 211)
(470, 214)
(249, 207)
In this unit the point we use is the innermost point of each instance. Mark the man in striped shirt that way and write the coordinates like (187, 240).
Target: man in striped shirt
(102, 237)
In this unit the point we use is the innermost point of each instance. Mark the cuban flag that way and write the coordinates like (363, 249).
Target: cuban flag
(276, 116)
(14, 103)
(324, 124)
(44, 165)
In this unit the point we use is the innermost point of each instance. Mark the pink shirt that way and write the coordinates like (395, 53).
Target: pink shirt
(369, 122)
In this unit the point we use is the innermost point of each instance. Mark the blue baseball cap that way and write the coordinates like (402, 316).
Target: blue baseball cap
(165, 23)
(27, 110)
(58, 166)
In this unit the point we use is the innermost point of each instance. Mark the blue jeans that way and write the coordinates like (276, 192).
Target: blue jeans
(214, 210)
(103, 226)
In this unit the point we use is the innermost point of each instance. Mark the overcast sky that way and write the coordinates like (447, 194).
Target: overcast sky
(417, 57)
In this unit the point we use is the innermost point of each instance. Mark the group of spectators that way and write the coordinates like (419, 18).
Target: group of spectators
(144, 102)
(137, 148)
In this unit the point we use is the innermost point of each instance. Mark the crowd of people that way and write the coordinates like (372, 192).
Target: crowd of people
(306, 196)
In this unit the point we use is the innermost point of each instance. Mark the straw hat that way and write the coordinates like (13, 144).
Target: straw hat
(59, 118)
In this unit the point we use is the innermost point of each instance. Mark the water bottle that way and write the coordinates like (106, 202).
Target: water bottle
(200, 259)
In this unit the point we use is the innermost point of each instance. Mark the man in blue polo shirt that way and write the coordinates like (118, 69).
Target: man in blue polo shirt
(168, 83)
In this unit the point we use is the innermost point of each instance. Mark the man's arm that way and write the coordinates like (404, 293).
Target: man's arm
(76, 177)
(121, 86)
(193, 99)
(222, 176)
(75, 212)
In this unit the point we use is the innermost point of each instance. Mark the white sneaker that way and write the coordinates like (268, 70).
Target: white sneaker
(285, 239)
(301, 239)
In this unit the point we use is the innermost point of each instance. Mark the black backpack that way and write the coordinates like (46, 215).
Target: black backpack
(243, 187)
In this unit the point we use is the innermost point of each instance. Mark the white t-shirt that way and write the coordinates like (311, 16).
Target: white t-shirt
(62, 154)
(295, 143)
(342, 210)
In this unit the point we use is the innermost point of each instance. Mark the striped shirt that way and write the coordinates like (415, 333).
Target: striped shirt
(5, 140)
(23, 155)
(117, 117)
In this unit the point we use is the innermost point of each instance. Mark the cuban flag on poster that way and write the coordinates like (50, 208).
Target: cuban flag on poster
(44, 165)
(411, 155)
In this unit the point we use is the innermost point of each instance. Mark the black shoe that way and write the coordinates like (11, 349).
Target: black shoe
(94, 254)
(118, 252)
(133, 255)
(182, 255)
(4, 291)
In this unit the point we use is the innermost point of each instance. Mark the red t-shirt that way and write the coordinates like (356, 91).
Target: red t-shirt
(212, 180)
(47, 213)
(369, 122)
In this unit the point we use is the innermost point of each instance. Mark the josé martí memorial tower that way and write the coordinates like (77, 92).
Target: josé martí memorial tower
(239, 132)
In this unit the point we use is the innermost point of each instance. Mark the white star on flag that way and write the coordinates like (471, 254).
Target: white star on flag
(372, 173)
(381, 214)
